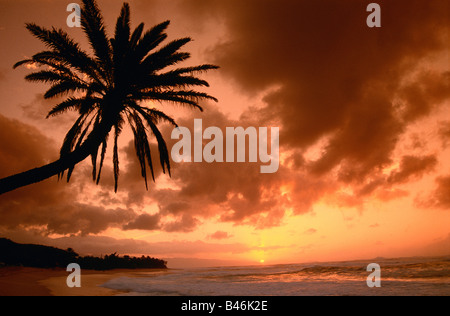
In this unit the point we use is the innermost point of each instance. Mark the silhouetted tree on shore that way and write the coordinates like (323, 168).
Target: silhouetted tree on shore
(38, 256)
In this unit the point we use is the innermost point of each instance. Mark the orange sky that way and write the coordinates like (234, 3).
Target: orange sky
(364, 121)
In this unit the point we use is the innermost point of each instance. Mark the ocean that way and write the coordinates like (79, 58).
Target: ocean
(399, 277)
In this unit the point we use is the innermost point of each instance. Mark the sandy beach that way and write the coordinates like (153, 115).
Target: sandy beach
(19, 281)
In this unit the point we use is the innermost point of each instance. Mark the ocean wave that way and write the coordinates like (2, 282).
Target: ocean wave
(416, 276)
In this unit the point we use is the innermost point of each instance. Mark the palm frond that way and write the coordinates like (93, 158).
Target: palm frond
(154, 65)
(154, 114)
(166, 56)
(137, 33)
(64, 48)
(94, 28)
(190, 98)
(69, 104)
(23, 62)
(65, 87)
(116, 158)
(72, 135)
(162, 146)
(152, 117)
(94, 156)
(170, 80)
(102, 159)
(122, 35)
(192, 70)
(47, 76)
(194, 95)
(141, 145)
(170, 96)
(150, 40)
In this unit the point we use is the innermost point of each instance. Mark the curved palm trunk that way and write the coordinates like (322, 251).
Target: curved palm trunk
(36, 175)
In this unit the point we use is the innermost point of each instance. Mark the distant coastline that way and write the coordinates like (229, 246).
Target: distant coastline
(13, 254)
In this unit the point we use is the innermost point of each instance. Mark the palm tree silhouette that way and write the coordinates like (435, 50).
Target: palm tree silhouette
(108, 91)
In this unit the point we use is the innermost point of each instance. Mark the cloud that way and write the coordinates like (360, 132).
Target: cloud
(383, 187)
(86, 219)
(102, 244)
(441, 196)
(239, 194)
(220, 235)
(236, 192)
(50, 207)
(54, 208)
(439, 247)
(411, 166)
(310, 231)
(144, 222)
(428, 90)
(22, 147)
(38, 108)
(444, 132)
(337, 78)
(387, 195)
(328, 79)
(186, 224)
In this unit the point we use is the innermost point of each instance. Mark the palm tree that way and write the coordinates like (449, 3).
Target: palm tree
(109, 89)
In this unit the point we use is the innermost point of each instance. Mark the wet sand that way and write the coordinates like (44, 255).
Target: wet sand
(18, 281)
(15, 281)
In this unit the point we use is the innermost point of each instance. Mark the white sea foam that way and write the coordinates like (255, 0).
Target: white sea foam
(411, 276)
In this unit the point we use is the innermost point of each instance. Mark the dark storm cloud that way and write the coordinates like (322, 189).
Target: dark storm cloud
(336, 77)
(38, 109)
(237, 192)
(22, 147)
(442, 193)
(53, 206)
(428, 90)
(84, 219)
(185, 224)
(411, 166)
(384, 188)
(440, 197)
(144, 222)
(359, 88)
(444, 132)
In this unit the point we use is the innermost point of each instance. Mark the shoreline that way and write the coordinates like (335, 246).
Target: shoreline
(24, 281)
